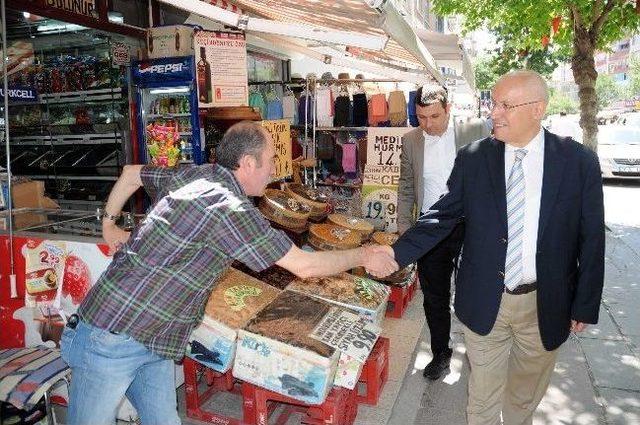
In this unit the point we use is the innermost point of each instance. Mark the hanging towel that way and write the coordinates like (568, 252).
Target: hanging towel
(360, 112)
(411, 109)
(325, 107)
(289, 108)
(306, 103)
(349, 158)
(274, 109)
(341, 118)
(257, 101)
(378, 110)
(397, 109)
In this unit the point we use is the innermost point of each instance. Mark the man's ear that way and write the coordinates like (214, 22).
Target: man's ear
(539, 110)
(247, 162)
(447, 108)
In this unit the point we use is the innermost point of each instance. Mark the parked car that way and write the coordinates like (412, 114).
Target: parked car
(629, 118)
(619, 151)
(565, 125)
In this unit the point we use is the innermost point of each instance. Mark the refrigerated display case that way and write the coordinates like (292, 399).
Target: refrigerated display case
(167, 112)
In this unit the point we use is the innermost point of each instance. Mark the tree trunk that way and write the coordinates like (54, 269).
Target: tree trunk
(585, 75)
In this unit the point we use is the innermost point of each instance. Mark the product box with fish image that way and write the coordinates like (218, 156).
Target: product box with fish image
(236, 298)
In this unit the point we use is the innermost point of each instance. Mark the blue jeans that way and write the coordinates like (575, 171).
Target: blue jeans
(105, 367)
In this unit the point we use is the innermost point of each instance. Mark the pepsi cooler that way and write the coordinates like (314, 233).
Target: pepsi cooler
(167, 112)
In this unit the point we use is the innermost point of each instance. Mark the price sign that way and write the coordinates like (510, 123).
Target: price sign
(280, 131)
(380, 205)
(384, 145)
(348, 332)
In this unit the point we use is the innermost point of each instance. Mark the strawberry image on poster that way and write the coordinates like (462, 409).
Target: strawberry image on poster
(77, 279)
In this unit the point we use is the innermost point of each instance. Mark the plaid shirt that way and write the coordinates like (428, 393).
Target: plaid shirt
(157, 285)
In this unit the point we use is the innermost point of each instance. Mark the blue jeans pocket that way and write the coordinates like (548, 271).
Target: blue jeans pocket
(110, 345)
(65, 343)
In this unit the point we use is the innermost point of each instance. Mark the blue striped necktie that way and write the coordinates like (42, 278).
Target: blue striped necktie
(515, 220)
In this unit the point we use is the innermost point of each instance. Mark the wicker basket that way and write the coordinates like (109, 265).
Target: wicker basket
(329, 237)
(283, 209)
(312, 197)
(358, 225)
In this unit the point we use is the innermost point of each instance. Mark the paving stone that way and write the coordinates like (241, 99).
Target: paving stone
(623, 407)
(612, 364)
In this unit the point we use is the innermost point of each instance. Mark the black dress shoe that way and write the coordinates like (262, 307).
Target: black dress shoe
(437, 367)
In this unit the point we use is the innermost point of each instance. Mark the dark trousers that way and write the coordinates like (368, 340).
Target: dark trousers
(435, 270)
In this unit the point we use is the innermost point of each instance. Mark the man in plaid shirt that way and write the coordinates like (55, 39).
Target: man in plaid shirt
(135, 322)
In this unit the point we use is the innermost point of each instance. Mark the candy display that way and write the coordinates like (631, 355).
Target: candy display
(163, 141)
(61, 74)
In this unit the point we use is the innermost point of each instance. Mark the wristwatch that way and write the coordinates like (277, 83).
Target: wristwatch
(108, 216)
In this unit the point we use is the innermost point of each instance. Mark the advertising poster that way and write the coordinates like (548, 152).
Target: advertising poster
(280, 131)
(221, 69)
(58, 275)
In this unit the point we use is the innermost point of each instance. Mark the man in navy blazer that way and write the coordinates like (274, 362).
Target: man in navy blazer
(532, 267)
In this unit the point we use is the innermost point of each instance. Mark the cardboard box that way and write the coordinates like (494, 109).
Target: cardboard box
(276, 350)
(236, 298)
(170, 41)
(31, 195)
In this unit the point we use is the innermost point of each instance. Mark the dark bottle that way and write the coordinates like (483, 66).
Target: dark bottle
(204, 78)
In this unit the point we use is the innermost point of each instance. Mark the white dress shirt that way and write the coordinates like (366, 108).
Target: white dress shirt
(439, 156)
(533, 167)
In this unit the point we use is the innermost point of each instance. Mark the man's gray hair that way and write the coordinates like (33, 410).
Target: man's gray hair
(243, 138)
(533, 80)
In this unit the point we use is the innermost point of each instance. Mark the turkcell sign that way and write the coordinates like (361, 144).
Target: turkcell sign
(21, 94)
(164, 69)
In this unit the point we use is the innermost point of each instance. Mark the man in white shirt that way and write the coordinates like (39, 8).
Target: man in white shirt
(428, 154)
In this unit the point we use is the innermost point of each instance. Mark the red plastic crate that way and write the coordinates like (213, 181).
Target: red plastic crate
(216, 382)
(375, 373)
(398, 301)
(339, 408)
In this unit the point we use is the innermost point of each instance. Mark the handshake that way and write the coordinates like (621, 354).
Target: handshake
(378, 260)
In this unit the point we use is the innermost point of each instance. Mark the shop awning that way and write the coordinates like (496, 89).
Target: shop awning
(358, 26)
(448, 52)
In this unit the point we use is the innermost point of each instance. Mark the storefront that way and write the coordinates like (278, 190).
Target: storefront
(84, 102)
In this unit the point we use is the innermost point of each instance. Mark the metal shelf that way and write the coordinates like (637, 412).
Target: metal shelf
(68, 139)
(66, 177)
(82, 96)
(342, 128)
(167, 116)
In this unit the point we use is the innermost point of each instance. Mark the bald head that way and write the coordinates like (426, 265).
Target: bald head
(529, 81)
(243, 138)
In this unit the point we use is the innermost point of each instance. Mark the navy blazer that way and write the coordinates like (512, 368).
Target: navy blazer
(570, 246)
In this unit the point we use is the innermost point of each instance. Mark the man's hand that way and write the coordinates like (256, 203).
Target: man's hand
(379, 260)
(114, 236)
(577, 326)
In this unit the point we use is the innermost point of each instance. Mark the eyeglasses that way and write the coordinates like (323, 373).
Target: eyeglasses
(507, 107)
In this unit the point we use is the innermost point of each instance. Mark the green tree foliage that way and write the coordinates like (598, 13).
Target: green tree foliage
(483, 68)
(634, 77)
(559, 102)
(607, 91)
(583, 26)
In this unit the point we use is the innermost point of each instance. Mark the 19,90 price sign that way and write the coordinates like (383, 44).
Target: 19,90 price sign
(380, 205)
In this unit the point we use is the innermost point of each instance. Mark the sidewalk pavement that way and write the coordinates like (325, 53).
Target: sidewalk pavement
(597, 375)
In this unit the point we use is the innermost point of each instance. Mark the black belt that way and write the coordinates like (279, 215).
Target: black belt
(522, 289)
(74, 319)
